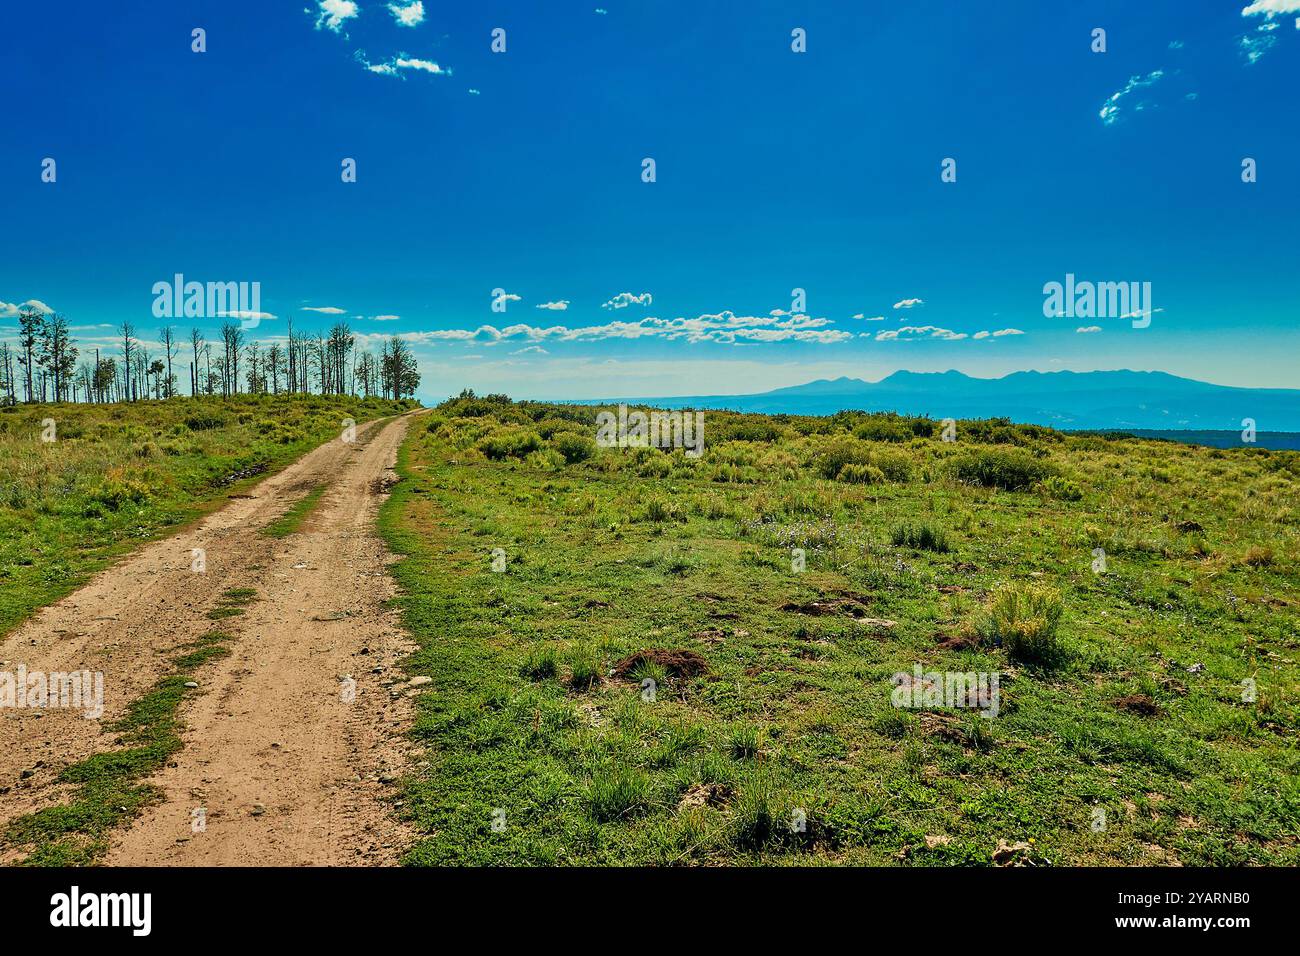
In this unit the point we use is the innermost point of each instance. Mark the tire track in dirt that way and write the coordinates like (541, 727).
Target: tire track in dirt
(287, 771)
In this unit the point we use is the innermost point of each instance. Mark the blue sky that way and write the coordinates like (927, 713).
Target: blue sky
(775, 170)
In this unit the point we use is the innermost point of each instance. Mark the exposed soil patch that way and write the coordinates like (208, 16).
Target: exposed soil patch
(849, 605)
(1138, 704)
(679, 663)
(1009, 853)
(705, 795)
(959, 642)
(875, 623)
(947, 727)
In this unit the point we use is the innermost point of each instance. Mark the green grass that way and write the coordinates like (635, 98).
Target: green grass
(209, 647)
(921, 536)
(615, 553)
(223, 612)
(123, 474)
(232, 603)
(108, 785)
(292, 520)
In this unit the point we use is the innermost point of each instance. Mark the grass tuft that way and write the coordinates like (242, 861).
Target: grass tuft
(292, 520)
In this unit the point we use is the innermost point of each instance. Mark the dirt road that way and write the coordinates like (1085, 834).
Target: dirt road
(287, 769)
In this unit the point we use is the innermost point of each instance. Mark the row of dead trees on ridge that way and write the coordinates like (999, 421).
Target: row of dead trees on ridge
(44, 364)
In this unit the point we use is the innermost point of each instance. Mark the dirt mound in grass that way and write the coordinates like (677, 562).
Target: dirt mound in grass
(842, 604)
(678, 663)
(962, 641)
(705, 795)
(1138, 704)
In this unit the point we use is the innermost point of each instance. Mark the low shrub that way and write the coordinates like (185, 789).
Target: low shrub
(921, 536)
(896, 466)
(1062, 489)
(840, 452)
(510, 443)
(1008, 469)
(574, 448)
(1023, 618)
(847, 459)
(857, 474)
(659, 509)
(203, 421)
(1258, 556)
(113, 493)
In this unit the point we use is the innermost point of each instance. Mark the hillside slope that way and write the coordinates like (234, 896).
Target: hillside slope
(639, 657)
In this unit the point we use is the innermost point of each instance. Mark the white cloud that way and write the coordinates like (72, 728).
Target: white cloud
(411, 15)
(869, 318)
(1254, 47)
(533, 349)
(1001, 332)
(1140, 314)
(384, 318)
(245, 315)
(908, 303)
(412, 63)
(1110, 109)
(624, 299)
(1087, 329)
(8, 310)
(725, 328)
(402, 61)
(333, 13)
(326, 309)
(909, 332)
(1271, 8)
(558, 306)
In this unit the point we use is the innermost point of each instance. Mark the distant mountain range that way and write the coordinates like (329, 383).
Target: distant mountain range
(1123, 400)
